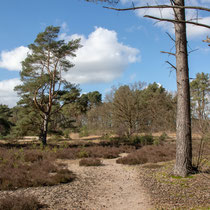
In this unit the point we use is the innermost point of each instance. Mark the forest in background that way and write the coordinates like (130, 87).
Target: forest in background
(126, 110)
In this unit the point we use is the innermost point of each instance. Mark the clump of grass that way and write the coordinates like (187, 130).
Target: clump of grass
(22, 202)
(149, 154)
(90, 162)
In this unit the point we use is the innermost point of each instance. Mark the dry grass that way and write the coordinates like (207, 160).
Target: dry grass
(170, 192)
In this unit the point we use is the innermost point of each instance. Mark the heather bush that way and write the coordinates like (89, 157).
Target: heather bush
(90, 162)
(22, 202)
(150, 154)
(66, 153)
(38, 170)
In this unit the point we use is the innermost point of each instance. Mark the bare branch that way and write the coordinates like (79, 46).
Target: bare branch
(163, 6)
(168, 53)
(170, 37)
(207, 40)
(174, 67)
(192, 51)
(177, 21)
(39, 106)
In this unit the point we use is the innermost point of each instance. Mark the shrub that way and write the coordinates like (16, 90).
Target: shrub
(83, 131)
(142, 140)
(38, 170)
(83, 153)
(150, 153)
(66, 133)
(163, 137)
(92, 151)
(66, 153)
(134, 159)
(21, 202)
(90, 162)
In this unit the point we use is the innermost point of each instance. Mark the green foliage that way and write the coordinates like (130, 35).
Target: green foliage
(94, 98)
(83, 131)
(142, 140)
(83, 154)
(66, 133)
(5, 123)
(200, 92)
(43, 90)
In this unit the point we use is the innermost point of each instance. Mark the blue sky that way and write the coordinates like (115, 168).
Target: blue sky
(118, 47)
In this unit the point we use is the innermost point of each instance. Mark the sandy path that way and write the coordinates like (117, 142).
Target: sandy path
(116, 187)
(111, 186)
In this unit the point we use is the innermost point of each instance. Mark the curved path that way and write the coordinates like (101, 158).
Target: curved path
(111, 186)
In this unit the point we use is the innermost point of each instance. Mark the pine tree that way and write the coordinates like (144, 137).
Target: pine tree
(42, 76)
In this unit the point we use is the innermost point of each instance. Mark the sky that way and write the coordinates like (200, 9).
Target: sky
(118, 47)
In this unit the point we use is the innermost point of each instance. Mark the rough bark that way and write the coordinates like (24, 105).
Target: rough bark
(183, 165)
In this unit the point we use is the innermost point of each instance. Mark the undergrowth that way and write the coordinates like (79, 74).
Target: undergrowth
(22, 202)
(90, 162)
(30, 168)
(149, 154)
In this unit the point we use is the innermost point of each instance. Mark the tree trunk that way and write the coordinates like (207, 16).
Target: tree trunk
(45, 130)
(183, 164)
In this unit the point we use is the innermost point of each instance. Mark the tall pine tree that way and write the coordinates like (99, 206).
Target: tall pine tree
(41, 76)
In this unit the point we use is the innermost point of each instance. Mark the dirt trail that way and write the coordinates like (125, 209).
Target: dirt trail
(111, 186)
(116, 186)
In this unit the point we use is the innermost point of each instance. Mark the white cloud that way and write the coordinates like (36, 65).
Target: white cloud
(195, 31)
(101, 59)
(7, 94)
(11, 60)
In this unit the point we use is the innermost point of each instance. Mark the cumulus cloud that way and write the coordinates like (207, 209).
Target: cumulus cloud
(192, 30)
(101, 59)
(7, 94)
(11, 60)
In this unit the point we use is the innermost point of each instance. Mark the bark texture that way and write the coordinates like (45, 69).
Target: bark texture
(45, 129)
(183, 163)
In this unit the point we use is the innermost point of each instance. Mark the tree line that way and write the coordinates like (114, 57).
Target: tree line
(125, 110)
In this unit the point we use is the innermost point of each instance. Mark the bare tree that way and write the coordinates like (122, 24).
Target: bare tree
(183, 165)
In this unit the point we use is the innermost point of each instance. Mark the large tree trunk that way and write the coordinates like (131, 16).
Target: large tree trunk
(183, 163)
